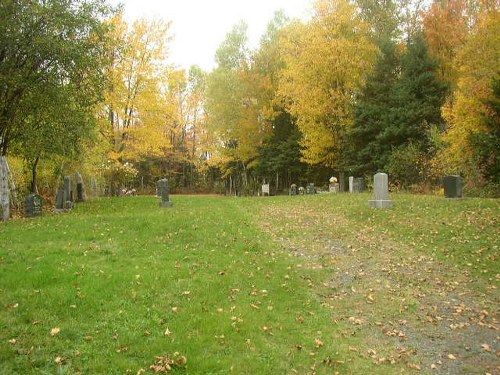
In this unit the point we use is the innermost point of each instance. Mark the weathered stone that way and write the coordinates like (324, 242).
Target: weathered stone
(381, 192)
(164, 193)
(265, 189)
(358, 185)
(33, 205)
(68, 193)
(453, 186)
(310, 189)
(351, 184)
(80, 188)
(60, 199)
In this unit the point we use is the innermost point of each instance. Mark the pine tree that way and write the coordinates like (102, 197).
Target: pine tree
(371, 112)
(415, 103)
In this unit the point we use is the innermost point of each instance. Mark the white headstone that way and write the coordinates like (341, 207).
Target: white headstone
(381, 192)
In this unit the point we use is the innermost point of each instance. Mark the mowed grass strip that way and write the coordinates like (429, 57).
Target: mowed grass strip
(117, 282)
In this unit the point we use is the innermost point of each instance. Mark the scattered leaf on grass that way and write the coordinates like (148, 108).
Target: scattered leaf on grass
(451, 356)
(166, 364)
(12, 341)
(168, 332)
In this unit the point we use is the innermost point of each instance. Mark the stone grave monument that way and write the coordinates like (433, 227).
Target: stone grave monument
(265, 189)
(60, 200)
(453, 186)
(293, 189)
(164, 193)
(310, 189)
(80, 189)
(68, 193)
(381, 192)
(356, 184)
(33, 205)
(334, 186)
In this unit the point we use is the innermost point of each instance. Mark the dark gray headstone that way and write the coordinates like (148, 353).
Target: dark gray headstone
(381, 192)
(79, 192)
(33, 205)
(80, 188)
(453, 186)
(68, 194)
(60, 199)
(293, 189)
(164, 193)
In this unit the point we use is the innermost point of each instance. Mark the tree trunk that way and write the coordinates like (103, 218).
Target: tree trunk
(34, 187)
(4, 189)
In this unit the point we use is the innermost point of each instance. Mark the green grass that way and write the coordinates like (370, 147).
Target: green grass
(116, 275)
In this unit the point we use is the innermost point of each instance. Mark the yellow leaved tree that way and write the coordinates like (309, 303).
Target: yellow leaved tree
(326, 61)
(139, 115)
(477, 64)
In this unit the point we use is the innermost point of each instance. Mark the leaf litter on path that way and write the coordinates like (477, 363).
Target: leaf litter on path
(411, 310)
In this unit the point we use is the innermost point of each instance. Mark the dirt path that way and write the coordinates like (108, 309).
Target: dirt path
(400, 308)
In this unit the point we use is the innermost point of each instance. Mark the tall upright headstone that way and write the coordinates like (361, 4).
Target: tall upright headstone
(60, 199)
(80, 188)
(68, 194)
(351, 184)
(453, 187)
(164, 193)
(381, 192)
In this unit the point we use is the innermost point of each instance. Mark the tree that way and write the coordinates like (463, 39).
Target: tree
(326, 61)
(46, 48)
(477, 64)
(371, 112)
(486, 143)
(140, 113)
(234, 109)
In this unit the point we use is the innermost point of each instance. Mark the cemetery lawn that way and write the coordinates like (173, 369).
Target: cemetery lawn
(277, 285)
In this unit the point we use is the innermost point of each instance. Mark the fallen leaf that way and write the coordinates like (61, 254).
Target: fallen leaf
(486, 347)
(451, 356)
(12, 341)
(167, 332)
(318, 343)
(55, 331)
(58, 360)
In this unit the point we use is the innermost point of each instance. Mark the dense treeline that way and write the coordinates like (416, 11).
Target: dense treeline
(405, 87)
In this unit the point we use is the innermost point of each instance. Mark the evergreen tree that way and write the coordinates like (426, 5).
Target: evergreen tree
(371, 111)
(415, 103)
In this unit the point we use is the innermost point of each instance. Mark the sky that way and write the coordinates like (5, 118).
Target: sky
(200, 26)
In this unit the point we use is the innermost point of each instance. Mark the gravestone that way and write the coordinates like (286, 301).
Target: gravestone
(80, 189)
(381, 192)
(265, 189)
(351, 184)
(453, 186)
(68, 193)
(310, 189)
(33, 205)
(358, 185)
(60, 199)
(164, 193)
(293, 189)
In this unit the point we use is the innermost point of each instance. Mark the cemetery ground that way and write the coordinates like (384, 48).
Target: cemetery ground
(318, 284)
